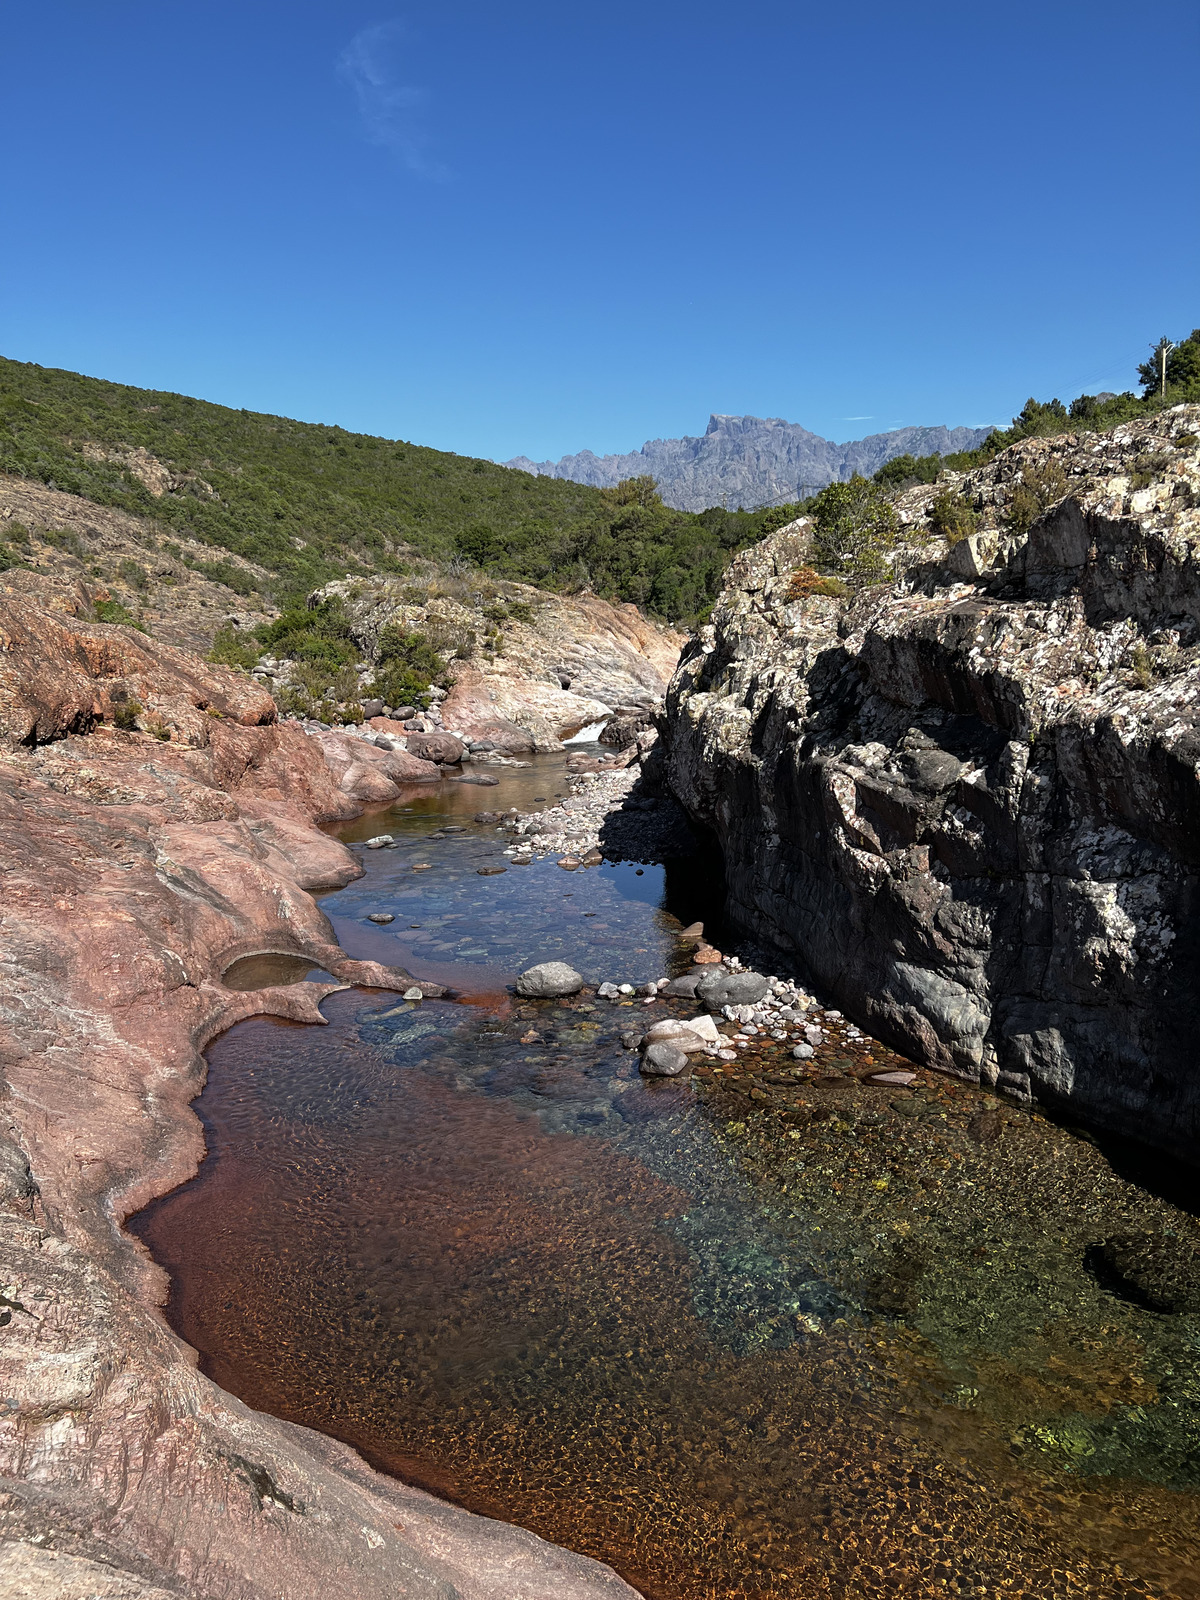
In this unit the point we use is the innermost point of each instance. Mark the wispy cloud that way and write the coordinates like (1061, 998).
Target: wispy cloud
(869, 418)
(392, 112)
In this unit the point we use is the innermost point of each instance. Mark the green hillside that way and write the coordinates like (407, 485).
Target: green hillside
(309, 502)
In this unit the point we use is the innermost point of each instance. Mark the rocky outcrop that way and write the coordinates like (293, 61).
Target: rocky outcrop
(134, 870)
(57, 543)
(751, 461)
(60, 675)
(529, 668)
(967, 801)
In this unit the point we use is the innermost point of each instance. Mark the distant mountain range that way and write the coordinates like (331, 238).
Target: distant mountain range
(751, 461)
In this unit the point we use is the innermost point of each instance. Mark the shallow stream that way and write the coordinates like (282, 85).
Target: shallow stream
(752, 1335)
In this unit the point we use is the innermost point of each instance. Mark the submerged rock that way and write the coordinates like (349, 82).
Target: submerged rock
(1151, 1269)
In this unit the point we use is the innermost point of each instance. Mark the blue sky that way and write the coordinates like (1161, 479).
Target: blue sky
(540, 227)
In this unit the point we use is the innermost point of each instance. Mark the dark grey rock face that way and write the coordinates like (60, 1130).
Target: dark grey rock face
(751, 461)
(968, 800)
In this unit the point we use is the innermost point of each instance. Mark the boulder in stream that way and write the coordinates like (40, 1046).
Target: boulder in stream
(664, 1061)
(549, 980)
(731, 989)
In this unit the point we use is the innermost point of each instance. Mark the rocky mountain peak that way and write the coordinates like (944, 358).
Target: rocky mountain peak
(750, 461)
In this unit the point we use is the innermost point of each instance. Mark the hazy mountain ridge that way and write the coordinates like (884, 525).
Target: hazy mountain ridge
(751, 461)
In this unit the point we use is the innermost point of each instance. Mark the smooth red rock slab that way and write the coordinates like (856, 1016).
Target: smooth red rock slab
(133, 872)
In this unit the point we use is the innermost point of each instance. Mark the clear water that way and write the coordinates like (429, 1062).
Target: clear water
(743, 1336)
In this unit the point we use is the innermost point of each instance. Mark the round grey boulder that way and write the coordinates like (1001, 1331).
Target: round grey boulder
(731, 989)
(549, 981)
(663, 1061)
(803, 1052)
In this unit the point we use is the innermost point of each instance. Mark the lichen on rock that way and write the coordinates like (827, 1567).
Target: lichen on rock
(966, 799)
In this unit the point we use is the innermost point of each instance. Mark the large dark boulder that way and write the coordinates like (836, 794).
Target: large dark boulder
(722, 988)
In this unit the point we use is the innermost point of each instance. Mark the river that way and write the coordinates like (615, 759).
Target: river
(743, 1336)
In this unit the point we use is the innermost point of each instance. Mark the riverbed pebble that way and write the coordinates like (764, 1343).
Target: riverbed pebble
(380, 916)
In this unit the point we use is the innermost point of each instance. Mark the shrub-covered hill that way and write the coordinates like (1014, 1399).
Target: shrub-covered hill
(308, 503)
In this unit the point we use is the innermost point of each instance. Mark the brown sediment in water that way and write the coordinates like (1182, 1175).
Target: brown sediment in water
(506, 1314)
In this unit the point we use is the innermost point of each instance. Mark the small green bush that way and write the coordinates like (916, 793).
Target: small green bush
(319, 636)
(235, 578)
(125, 715)
(901, 472)
(1040, 488)
(231, 648)
(952, 516)
(64, 539)
(134, 575)
(406, 664)
(113, 611)
(856, 527)
(1146, 467)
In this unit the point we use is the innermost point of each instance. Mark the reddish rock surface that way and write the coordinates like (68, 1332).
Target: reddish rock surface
(59, 675)
(367, 773)
(133, 871)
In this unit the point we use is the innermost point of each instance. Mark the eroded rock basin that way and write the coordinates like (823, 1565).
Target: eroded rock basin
(748, 1335)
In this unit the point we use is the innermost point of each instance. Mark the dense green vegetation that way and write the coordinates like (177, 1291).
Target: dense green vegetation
(406, 665)
(307, 502)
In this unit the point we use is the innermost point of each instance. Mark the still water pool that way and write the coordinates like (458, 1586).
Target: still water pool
(741, 1337)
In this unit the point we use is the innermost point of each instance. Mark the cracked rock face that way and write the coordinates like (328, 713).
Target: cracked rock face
(967, 800)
